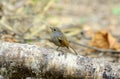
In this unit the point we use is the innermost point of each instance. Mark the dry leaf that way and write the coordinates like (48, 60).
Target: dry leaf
(103, 39)
(100, 40)
(9, 38)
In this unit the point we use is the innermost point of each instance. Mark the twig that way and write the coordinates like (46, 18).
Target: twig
(46, 7)
(98, 49)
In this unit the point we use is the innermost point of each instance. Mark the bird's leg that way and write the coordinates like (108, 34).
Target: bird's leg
(60, 50)
(58, 47)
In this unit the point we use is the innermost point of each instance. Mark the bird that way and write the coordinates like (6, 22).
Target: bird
(59, 39)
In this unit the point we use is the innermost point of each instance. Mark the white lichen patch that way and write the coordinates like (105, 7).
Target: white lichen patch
(71, 65)
(65, 61)
(28, 55)
(33, 59)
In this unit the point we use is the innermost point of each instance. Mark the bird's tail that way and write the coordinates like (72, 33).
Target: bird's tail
(73, 50)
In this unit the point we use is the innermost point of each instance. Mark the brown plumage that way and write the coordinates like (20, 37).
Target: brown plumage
(59, 39)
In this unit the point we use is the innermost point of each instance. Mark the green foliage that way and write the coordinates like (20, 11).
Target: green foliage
(56, 1)
(35, 1)
(59, 8)
(81, 21)
(116, 11)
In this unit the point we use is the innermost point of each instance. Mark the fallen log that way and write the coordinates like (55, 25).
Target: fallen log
(23, 60)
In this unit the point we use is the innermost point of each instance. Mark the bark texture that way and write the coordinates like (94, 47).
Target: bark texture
(22, 60)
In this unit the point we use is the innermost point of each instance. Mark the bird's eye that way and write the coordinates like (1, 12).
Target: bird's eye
(54, 29)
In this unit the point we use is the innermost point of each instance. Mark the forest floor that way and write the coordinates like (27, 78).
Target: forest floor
(93, 23)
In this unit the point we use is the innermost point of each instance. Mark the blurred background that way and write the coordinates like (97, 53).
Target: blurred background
(28, 21)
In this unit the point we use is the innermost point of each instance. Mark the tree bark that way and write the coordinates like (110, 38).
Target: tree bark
(22, 60)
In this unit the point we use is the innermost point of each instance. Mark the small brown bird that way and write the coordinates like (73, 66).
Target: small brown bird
(59, 39)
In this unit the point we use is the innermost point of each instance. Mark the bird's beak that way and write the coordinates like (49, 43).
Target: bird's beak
(51, 28)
